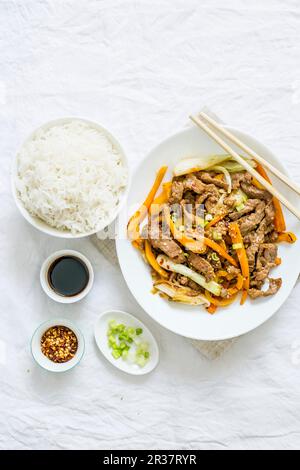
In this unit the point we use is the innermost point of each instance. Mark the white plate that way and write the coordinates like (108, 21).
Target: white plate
(195, 322)
(129, 320)
(39, 223)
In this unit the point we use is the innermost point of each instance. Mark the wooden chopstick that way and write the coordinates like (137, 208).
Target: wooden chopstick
(272, 190)
(251, 152)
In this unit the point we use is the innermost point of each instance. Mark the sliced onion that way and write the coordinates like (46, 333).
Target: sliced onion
(181, 294)
(226, 174)
(169, 265)
(233, 167)
(190, 165)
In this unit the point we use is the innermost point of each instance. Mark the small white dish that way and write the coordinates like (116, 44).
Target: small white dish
(39, 223)
(47, 287)
(46, 363)
(100, 332)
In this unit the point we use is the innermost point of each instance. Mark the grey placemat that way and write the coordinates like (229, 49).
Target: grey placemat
(209, 349)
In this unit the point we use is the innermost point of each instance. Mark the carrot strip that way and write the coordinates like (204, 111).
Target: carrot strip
(279, 221)
(288, 237)
(196, 246)
(211, 309)
(222, 273)
(138, 244)
(158, 202)
(236, 237)
(214, 221)
(134, 222)
(244, 297)
(214, 246)
(219, 302)
(152, 260)
(278, 261)
(257, 184)
(239, 285)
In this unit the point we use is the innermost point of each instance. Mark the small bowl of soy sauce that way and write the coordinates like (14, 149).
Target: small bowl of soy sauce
(67, 276)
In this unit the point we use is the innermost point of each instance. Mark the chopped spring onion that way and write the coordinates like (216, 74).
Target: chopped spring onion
(169, 265)
(215, 257)
(122, 338)
(209, 217)
(237, 246)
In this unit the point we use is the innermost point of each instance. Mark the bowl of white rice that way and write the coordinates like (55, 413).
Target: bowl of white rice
(70, 178)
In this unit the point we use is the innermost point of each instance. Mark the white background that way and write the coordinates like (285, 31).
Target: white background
(139, 68)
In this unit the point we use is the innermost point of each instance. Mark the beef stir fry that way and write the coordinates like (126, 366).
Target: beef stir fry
(211, 235)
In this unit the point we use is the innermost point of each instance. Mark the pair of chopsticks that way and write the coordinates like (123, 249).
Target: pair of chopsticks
(214, 126)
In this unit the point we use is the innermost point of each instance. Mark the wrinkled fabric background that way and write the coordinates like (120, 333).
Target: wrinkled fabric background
(139, 68)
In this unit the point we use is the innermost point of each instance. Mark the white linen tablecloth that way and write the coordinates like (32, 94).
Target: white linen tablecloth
(139, 68)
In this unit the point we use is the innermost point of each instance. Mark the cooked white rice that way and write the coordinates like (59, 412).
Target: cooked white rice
(71, 176)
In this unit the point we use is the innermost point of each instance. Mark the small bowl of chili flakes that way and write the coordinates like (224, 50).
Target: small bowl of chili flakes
(57, 345)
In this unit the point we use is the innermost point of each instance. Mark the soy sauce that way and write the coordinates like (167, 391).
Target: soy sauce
(68, 276)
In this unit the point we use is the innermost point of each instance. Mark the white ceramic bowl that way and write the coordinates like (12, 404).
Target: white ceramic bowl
(129, 320)
(44, 277)
(39, 223)
(195, 322)
(46, 363)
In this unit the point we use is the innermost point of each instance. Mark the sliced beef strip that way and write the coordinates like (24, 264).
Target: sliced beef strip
(211, 204)
(170, 248)
(240, 177)
(191, 182)
(248, 223)
(176, 192)
(270, 212)
(163, 242)
(255, 238)
(210, 191)
(265, 261)
(274, 286)
(188, 198)
(201, 265)
(254, 193)
(209, 179)
(250, 206)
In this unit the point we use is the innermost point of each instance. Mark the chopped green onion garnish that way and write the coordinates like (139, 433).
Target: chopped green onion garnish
(209, 217)
(121, 339)
(116, 354)
(215, 257)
